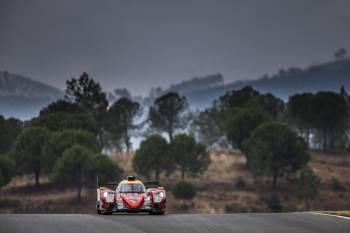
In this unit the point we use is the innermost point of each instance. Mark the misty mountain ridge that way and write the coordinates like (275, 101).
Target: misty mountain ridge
(328, 76)
(23, 97)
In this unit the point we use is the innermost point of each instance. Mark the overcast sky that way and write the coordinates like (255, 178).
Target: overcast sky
(146, 43)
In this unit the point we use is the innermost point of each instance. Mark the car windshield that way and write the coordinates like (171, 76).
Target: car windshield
(131, 188)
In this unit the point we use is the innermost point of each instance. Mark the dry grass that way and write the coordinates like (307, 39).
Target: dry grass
(124, 161)
(345, 213)
(216, 189)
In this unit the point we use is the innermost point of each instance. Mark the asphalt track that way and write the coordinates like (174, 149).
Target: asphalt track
(174, 223)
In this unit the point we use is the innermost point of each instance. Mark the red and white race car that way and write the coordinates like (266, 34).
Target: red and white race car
(130, 195)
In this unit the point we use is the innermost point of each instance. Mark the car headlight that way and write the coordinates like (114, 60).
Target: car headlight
(159, 196)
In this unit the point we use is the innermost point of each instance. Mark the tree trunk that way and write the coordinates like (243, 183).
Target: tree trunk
(127, 143)
(324, 146)
(126, 138)
(274, 180)
(306, 204)
(308, 137)
(157, 175)
(79, 192)
(183, 172)
(170, 133)
(37, 182)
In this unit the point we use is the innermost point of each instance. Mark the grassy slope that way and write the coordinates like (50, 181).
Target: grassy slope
(216, 189)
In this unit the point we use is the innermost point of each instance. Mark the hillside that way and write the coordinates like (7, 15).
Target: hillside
(23, 97)
(217, 189)
(328, 76)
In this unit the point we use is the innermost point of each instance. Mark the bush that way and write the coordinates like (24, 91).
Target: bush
(308, 184)
(336, 185)
(7, 167)
(240, 183)
(273, 202)
(184, 190)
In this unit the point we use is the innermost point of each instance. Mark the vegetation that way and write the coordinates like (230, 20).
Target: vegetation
(166, 114)
(79, 166)
(63, 120)
(67, 138)
(88, 95)
(273, 202)
(121, 117)
(206, 127)
(274, 150)
(324, 113)
(152, 157)
(74, 167)
(7, 169)
(190, 157)
(9, 130)
(242, 124)
(58, 142)
(336, 185)
(184, 191)
(308, 184)
(240, 183)
(28, 152)
(61, 106)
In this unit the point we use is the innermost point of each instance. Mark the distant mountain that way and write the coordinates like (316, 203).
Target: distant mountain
(328, 76)
(23, 97)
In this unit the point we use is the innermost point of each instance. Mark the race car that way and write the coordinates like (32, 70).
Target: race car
(130, 195)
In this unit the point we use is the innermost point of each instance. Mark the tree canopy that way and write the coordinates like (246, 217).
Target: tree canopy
(88, 95)
(166, 114)
(58, 142)
(242, 124)
(61, 106)
(152, 157)
(74, 167)
(274, 149)
(9, 130)
(59, 121)
(189, 156)
(7, 170)
(121, 118)
(28, 151)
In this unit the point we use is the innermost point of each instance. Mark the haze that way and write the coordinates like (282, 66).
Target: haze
(143, 44)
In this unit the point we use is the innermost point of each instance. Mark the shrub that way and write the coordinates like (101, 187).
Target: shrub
(240, 183)
(184, 190)
(308, 184)
(7, 167)
(336, 185)
(273, 202)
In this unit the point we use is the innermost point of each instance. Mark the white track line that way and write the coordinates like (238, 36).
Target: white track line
(333, 215)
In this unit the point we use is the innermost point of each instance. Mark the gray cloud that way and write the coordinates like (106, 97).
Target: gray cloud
(140, 44)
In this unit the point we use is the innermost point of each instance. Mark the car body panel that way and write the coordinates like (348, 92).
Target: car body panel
(130, 195)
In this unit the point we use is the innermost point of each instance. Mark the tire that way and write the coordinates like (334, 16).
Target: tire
(98, 208)
(156, 213)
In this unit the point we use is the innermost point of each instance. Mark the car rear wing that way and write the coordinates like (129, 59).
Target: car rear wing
(151, 184)
(108, 184)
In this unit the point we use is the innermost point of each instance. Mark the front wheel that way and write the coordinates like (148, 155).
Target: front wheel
(156, 213)
(98, 208)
